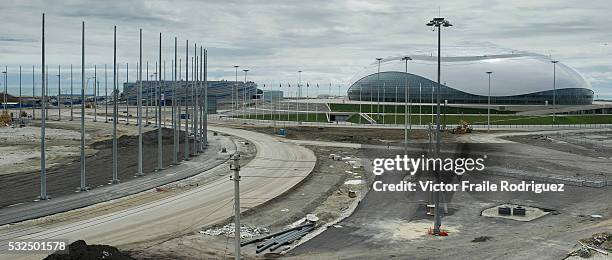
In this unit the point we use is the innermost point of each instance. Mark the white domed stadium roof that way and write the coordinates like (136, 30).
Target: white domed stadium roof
(513, 73)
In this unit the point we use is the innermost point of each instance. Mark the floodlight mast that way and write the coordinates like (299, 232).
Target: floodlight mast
(438, 22)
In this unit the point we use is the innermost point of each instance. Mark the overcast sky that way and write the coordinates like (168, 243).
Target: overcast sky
(329, 40)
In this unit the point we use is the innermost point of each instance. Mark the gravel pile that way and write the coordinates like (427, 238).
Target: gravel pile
(228, 231)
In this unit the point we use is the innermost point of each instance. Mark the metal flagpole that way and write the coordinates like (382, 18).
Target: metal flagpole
(174, 119)
(148, 96)
(59, 93)
(105, 94)
(95, 93)
(139, 101)
(34, 94)
(115, 108)
(205, 117)
(71, 95)
(20, 106)
(43, 175)
(195, 100)
(127, 99)
(160, 162)
(186, 145)
(83, 184)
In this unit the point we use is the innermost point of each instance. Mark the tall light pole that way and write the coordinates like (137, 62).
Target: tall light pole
(115, 107)
(160, 158)
(438, 22)
(377, 90)
(59, 92)
(489, 104)
(406, 59)
(71, 95)
(33, 93)
(5, 72)
(20, 106)
(105, 95)
(95, 91)
(83, 186)
(139, 101)
(186, 145)
(244, 94)
(554, 62)
(174, 108)
(235, 89)
(299, 96)
(43, 174)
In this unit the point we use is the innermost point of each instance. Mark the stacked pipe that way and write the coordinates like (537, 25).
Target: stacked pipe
(278, 239)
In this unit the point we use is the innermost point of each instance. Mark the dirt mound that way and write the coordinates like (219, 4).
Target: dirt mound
(81, 250)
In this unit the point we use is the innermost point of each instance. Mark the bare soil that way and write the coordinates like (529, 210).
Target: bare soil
(64, 178)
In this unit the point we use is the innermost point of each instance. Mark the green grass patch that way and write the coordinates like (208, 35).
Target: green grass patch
(425, 109)
(501, 120)
(289, 117)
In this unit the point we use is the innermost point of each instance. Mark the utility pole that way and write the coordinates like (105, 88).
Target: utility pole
(139, 96)
(235, 166)
(438, 22)
(83, 183)
(43, 174)
(115, 108)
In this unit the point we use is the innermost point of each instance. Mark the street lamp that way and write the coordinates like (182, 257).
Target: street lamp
(554, 62)
(299, 94)
(377, 91)
(406, 59)
(59, 93)
(489, 104)
(235, 88)
(438, 22)
(5, 72)
(244, 93)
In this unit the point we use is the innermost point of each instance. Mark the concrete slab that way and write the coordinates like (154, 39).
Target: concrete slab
(531, 213)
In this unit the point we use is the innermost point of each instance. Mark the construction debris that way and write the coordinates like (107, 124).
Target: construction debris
(228, 231)
(598, 243)
(279, 239)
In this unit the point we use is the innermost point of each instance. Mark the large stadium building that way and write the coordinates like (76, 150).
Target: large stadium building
(516, 79)
(219, 92)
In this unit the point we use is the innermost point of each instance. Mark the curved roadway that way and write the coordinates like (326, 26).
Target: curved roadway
(277, 168)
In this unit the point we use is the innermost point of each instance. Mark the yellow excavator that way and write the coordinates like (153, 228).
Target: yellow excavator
(462, 128)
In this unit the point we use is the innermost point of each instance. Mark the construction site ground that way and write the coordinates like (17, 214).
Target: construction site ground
(63, 172)
(324, 193)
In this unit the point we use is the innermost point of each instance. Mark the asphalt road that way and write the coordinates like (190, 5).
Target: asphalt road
(276, 168)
